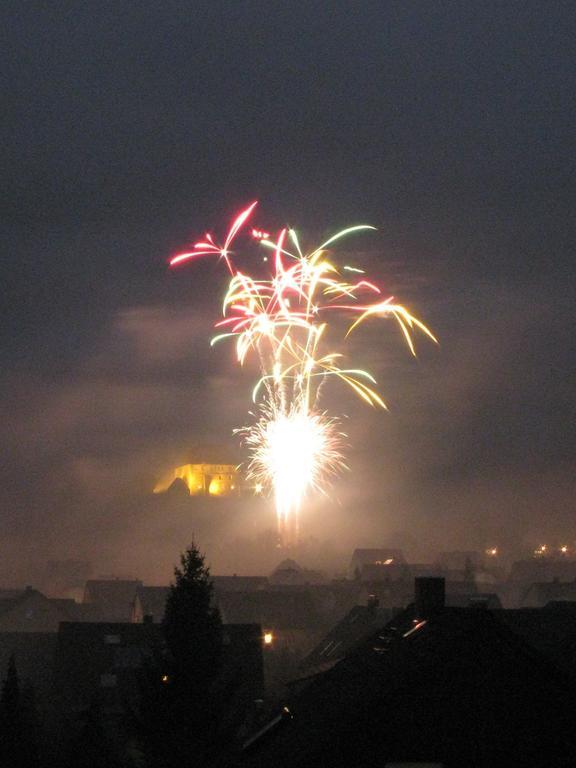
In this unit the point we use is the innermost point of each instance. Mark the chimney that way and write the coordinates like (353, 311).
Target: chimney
(429, 595)
(372, 603)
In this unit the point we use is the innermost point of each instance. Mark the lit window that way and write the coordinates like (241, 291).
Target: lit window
(268, 638)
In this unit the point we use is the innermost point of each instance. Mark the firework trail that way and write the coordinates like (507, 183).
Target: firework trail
(282, 319)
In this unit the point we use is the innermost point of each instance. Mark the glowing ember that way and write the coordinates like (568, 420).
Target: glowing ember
(282, 318)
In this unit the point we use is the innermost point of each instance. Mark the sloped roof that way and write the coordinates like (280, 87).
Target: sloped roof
(541, 593)
(359, 622)
(287, 565)
(16, 597)
(30, 610)
(551, 630)
(368, 556)
(458, 689)
(68, 609)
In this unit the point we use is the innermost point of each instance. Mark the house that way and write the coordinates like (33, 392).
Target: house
(550, 630)
(113, 599)
(101, 662)
(541, 593)
(369, 557)
(101, 659)
(149, 602)
(436, 685)
(384, 570)
(28, 610)
(289, 572)
(359, 622)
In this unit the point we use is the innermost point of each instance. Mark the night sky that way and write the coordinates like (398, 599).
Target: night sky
(127, 129)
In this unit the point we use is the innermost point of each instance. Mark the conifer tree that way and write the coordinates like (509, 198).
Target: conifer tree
(182, 703)
(192, 624)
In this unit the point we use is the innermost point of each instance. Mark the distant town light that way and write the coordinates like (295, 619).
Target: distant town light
(564, 549)
(492, 551)
(541, 551)
(165, 678)
(268, 638)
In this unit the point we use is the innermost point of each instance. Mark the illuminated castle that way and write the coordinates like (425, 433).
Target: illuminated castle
(204, 479)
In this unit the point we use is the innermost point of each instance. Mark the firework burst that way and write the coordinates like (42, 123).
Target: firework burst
(282, 318)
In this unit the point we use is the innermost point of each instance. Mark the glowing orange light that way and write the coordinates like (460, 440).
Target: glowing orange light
(541, 551)
(165, 678)
(268, 638)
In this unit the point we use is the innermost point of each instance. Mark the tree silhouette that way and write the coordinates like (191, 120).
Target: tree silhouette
(192, 624)
(18, 722)
(181, 701)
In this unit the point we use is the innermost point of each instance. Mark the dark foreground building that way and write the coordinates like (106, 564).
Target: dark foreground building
(102, 661)
(448, 686)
